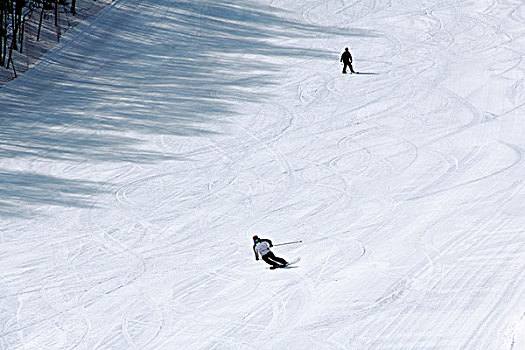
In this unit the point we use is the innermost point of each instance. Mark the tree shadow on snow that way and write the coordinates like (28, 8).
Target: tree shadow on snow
(141, 70)
(19, 189)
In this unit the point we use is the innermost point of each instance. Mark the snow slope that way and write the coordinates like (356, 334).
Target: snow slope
(140, 156)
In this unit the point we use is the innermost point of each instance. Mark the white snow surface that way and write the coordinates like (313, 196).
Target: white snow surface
(138, 158)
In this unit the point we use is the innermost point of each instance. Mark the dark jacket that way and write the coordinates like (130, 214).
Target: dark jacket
(346, 57)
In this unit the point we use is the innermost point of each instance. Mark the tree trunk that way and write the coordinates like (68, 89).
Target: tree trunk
(4, 27)
(57, 25)
(10, 59)
(19, 8)
(13, 45)
(2, 36)
(22, 30)
(73, 7)
(21, 37)
(40, 23)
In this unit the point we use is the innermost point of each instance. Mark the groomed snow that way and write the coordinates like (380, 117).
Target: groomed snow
(138, 158)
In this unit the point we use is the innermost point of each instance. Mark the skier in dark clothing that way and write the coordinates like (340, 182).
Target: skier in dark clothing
(262, 246)
(346, 58)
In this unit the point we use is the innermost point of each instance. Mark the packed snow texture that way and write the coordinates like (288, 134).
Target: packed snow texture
(141, 154)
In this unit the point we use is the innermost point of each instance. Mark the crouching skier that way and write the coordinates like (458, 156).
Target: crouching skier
(262, 246)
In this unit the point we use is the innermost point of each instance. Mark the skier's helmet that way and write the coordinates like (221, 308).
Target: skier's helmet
(255, 238)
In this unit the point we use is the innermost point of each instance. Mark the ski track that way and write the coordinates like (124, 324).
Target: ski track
(405, 185)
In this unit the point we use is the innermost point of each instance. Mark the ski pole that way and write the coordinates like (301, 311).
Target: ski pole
(294, 242)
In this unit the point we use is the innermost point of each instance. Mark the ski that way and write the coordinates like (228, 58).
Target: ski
(287, 266)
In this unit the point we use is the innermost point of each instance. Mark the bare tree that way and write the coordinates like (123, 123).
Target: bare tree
(5, 6)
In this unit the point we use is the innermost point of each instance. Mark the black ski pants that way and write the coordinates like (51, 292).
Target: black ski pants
(273, 260)
(348, 64)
